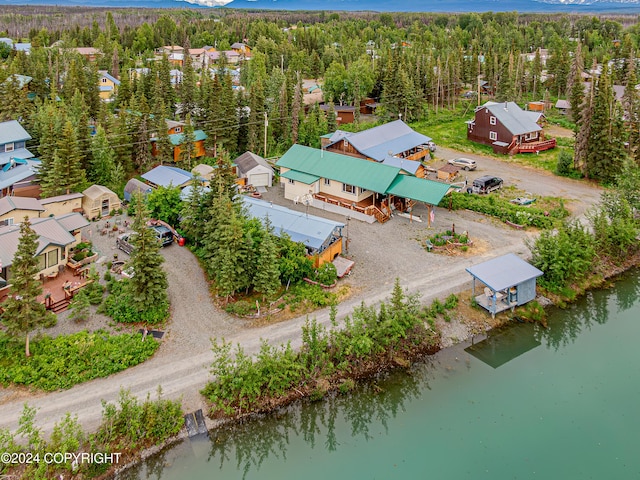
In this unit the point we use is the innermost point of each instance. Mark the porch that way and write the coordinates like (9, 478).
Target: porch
(366, 207)
(540, 146)
(57, 289)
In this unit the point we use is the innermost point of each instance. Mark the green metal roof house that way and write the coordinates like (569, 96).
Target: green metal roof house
(364, 187)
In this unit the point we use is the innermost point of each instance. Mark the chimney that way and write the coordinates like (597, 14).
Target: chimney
(505, 107)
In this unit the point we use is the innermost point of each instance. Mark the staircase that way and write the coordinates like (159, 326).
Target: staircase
(381, 217)
(59, 306)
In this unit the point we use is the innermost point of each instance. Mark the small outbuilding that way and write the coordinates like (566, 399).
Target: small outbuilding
(254, 169)
(448, 172)
(99, 201)
(135, 186)
(509, 280)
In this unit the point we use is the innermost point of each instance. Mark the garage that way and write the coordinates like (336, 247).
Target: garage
(254, 169)
(259, 179)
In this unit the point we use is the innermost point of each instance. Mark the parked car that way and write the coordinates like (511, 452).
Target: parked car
(163, 234)
(431, 146)
(464, 163)
(485, 184)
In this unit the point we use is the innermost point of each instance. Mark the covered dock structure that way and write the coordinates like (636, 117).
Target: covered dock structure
(509, 280)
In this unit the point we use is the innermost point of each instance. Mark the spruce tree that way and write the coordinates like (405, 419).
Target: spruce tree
(256, 118)
(66, 174)
(23, 313)
(267, 276)
(103, 159)
(188, 145)
(576, 86)
(631, 104)
(605, 153)
(148, 285)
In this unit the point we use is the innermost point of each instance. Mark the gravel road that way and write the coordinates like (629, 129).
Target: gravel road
(381, 252)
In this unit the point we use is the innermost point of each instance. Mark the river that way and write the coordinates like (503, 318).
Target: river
(524, 403)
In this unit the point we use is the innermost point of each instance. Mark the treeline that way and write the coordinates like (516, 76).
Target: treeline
(413, 64)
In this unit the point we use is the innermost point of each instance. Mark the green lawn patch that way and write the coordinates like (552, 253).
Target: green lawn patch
(64, 361)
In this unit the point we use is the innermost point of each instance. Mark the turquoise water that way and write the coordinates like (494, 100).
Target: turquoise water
(560, 403)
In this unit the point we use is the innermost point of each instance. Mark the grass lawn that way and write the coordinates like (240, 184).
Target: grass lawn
(448, 129)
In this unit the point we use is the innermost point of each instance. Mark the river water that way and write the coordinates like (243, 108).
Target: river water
(524, 403)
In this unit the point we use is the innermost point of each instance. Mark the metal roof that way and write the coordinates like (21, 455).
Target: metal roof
(22, 80)
(134, 185)
(20, 153)
(311, 230)
(514, 119)
(185, 193)
(418, 189)
(10, 203)
(342, 168)
(164, 176)
(49, 230)
(388, 139)
(19, 173)
(107, 75)
(504, 272)
(12, 131)
(72, 221)
(410, 166)
(297, 176)
(248, 161)
(178, 138)
(60, 198)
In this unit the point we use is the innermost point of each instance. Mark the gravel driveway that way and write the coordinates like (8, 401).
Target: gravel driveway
(381, 252)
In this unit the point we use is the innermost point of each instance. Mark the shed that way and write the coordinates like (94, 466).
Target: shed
(134, 186)
(204, 171)
(509, 280)
(165, 176)
(255, 169)
(321, 237)
(448, 172)
(99, 201)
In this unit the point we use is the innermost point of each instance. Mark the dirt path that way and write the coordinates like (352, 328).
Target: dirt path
(382, 253)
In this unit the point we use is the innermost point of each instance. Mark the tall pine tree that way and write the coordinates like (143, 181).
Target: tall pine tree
(23, 313)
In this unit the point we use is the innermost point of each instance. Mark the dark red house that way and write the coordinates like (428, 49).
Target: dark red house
(508, 129)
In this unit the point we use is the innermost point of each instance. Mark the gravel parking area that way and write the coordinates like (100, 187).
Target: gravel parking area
(381, 252)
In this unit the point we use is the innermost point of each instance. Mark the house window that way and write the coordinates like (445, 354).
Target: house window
(42, 262)
(177, 129)
(291, 181)
(52, 258)
(492, 120)
(493, 136)
(104, 80)
(348, 188)
(345, 143)
(9, 147)
(327, 182)
(6, 222)
(362, 190)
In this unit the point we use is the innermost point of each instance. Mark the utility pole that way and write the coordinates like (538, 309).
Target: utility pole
(266, 124)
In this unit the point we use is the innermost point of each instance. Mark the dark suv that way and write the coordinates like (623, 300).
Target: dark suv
(486, 184)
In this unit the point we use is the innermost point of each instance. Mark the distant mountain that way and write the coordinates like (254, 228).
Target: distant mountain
(524, 6)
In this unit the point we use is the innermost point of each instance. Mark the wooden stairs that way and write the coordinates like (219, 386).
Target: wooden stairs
(381, 217)
(59, 305)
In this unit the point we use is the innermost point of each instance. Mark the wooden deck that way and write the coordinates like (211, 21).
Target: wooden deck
(54, 294)
(366, 206)
(501, 305)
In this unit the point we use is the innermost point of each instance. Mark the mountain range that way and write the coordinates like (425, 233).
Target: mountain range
(540, 6)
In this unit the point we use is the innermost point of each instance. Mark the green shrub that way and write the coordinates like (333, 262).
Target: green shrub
(451, 302)
(67, 360)
(119, 306)
(326, 274)
(241, 308)
(564, 167)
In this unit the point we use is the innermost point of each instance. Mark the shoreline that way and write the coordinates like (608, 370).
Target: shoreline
(632, 263)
